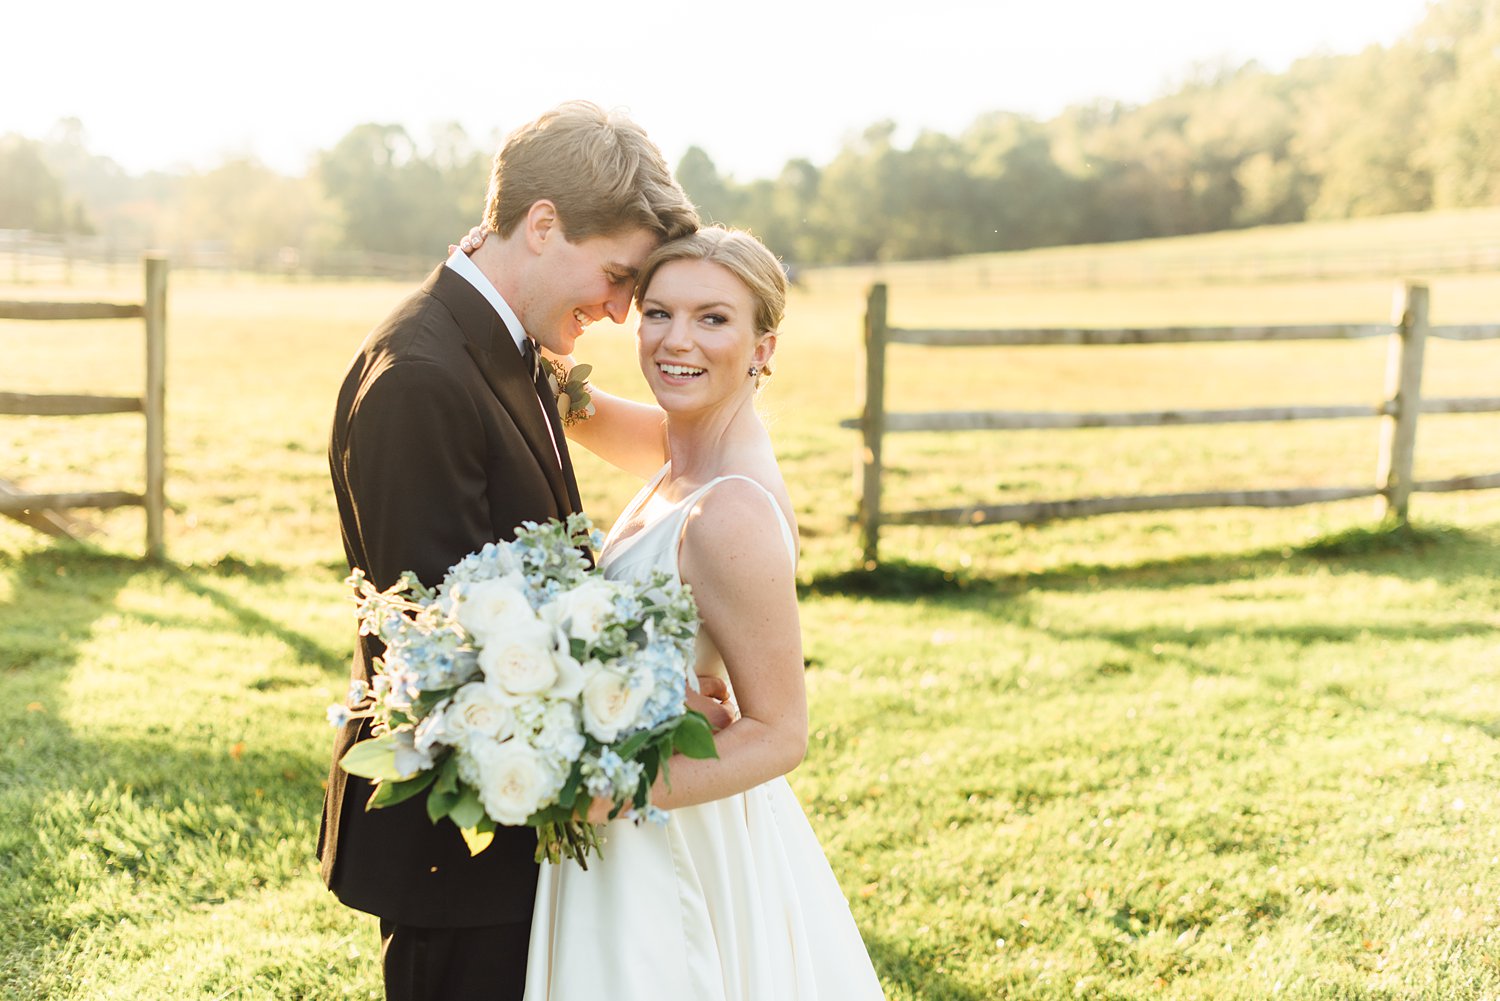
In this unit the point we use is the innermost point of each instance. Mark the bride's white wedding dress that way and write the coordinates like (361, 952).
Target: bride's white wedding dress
(731, 900)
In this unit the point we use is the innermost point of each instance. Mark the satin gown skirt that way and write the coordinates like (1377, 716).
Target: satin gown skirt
(728, 901)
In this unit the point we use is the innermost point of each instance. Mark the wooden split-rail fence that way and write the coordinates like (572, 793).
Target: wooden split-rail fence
(49, 512)
(1403, 403)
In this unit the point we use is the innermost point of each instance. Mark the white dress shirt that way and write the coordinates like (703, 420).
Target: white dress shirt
(469, 272)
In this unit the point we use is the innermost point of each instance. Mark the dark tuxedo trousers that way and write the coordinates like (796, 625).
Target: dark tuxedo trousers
(439, 445)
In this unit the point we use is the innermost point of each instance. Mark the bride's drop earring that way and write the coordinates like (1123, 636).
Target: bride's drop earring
(754, 371)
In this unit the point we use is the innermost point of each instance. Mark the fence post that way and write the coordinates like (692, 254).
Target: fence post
(872, 424)
(1403, 388)
(155, 405)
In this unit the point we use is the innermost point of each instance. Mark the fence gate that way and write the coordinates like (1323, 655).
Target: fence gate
(47, 512)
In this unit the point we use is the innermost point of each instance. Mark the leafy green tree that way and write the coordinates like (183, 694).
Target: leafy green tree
(31, 196)
(249, 210)
(1463, 149)
(710, 193)
(394, 199)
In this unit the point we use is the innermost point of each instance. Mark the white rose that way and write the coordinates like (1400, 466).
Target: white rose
(494, 607)
(586, 609)
(520, 661)
(514, 780)
(569, 677)
(478, 710)
(610, 704)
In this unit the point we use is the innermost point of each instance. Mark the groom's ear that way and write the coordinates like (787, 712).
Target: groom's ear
(542, 224)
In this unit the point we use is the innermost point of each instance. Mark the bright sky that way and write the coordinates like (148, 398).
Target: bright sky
(175, 83)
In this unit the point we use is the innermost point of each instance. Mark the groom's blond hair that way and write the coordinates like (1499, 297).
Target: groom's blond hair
(598, 168)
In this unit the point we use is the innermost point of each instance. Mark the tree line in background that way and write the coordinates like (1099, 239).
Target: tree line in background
(1406, 128)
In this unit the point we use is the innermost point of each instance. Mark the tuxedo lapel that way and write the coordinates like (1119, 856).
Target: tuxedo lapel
(493, 349)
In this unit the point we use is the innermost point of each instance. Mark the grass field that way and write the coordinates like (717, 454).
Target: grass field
(1220, 754)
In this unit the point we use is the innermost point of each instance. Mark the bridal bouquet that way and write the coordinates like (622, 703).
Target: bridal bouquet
(524, 686)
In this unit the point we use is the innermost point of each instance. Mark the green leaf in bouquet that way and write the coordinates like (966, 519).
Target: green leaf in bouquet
(373, 759)
(694, 737)
(650, 759)
(389, 793)
(427, 701)
(631, 746)
(580, 372)
(447, 780)
(468, 811)
(569, 793)
(445, 793)
(479, 836)
(410, 582)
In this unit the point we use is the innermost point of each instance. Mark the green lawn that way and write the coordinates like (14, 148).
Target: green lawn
(1222, 754)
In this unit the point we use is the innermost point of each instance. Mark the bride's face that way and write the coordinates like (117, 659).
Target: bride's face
(697, 338)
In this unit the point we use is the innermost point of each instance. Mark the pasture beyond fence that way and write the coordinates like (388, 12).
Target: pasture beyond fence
(1399, 411)
(47, 512)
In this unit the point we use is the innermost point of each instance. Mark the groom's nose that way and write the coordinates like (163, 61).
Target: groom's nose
(618, 305)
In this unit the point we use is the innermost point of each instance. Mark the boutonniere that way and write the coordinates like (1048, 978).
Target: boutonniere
(571, 386)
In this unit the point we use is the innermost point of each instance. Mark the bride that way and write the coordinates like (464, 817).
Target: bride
(732, 898)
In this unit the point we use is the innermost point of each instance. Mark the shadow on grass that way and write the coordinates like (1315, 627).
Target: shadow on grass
(897, 579)
(184, 818)
(1441, 553)
(900, 968)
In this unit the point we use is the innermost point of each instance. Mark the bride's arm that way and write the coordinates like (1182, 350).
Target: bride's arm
(628, 435)
(734, 558)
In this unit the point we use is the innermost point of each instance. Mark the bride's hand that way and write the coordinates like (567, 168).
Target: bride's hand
(713, 700)
(599, 810)
(471, 241)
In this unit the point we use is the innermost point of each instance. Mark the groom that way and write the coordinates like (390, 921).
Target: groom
(446, 437)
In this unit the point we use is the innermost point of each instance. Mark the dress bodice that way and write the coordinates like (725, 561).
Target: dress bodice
(655, 546)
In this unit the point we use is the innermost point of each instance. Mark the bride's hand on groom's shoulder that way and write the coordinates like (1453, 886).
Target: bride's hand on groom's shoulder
(713, 700)
(470, 242)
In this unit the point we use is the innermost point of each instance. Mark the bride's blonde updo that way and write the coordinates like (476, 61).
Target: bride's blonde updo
(742, 255)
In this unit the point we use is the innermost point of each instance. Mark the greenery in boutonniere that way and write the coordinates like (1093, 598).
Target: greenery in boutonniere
(574, 403)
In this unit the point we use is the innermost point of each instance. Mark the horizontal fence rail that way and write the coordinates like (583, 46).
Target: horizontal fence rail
(62, 405)
(49, 512)
(11, 310)
(1398, 410)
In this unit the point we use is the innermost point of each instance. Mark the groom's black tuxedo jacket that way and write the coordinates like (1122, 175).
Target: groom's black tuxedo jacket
(439, 445)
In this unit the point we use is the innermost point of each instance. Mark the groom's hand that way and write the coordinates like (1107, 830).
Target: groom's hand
(713, 701)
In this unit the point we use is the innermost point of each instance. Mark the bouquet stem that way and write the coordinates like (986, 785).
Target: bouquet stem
(573, 839)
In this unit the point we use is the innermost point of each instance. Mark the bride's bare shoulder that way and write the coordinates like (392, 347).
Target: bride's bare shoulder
(742, 512)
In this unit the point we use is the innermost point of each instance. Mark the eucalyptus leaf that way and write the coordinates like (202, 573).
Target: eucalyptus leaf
(478, 838)
(447, 780)
(373, 759)
(694, 737)
(390, 793)
(569, 793)
(468, 811)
